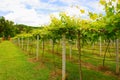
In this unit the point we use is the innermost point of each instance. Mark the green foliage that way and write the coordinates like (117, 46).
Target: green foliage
(93, 16)
(20, 28)
(105, 26)
(102, 2)
(2, 24)
(6, 28)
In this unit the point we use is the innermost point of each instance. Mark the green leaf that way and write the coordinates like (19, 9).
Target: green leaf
(82, 11)
(102, 2)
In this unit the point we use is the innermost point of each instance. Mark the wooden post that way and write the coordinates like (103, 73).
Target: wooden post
(79, 53)
(117, 56)
(19, 42)
(63, 58)
(22, 42)
(37, 49)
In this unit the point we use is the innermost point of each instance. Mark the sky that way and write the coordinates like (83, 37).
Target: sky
(37, 12)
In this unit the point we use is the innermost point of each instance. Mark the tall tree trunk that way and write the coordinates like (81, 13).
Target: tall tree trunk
(106, 52)
(79, 53)
(63, 57)
(37, 47)
(117, 56)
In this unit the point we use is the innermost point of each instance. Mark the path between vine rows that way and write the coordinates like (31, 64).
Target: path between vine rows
(14, 65)
(105, 70)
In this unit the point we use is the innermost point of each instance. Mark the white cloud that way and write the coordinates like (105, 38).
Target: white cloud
(37, 4)
(44, 19)
(19, 12)
(71, 2)
(29, 17)
(56, 14)
(8, 5)
(74, 11)
(51, 1)
(96, 7)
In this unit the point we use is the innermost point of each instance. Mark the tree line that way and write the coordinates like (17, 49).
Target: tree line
(10, 29)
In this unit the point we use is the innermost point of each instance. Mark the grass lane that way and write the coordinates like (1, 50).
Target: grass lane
(14, 65)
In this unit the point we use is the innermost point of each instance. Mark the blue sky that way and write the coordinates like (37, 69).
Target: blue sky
(37, 12)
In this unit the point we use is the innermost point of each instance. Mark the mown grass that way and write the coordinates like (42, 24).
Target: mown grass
(14, 65)
(71, 66)
(73, 70)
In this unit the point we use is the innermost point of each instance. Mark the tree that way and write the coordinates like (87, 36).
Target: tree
(112, 23)
(22, 28)
(7, 28)
(2, 24)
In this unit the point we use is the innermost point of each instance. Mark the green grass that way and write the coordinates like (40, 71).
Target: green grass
(14, 65)
(27, 71)
(94, 58)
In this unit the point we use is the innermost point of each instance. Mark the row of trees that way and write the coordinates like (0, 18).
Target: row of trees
(6, 27)
(106, 27)
(9, 29)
